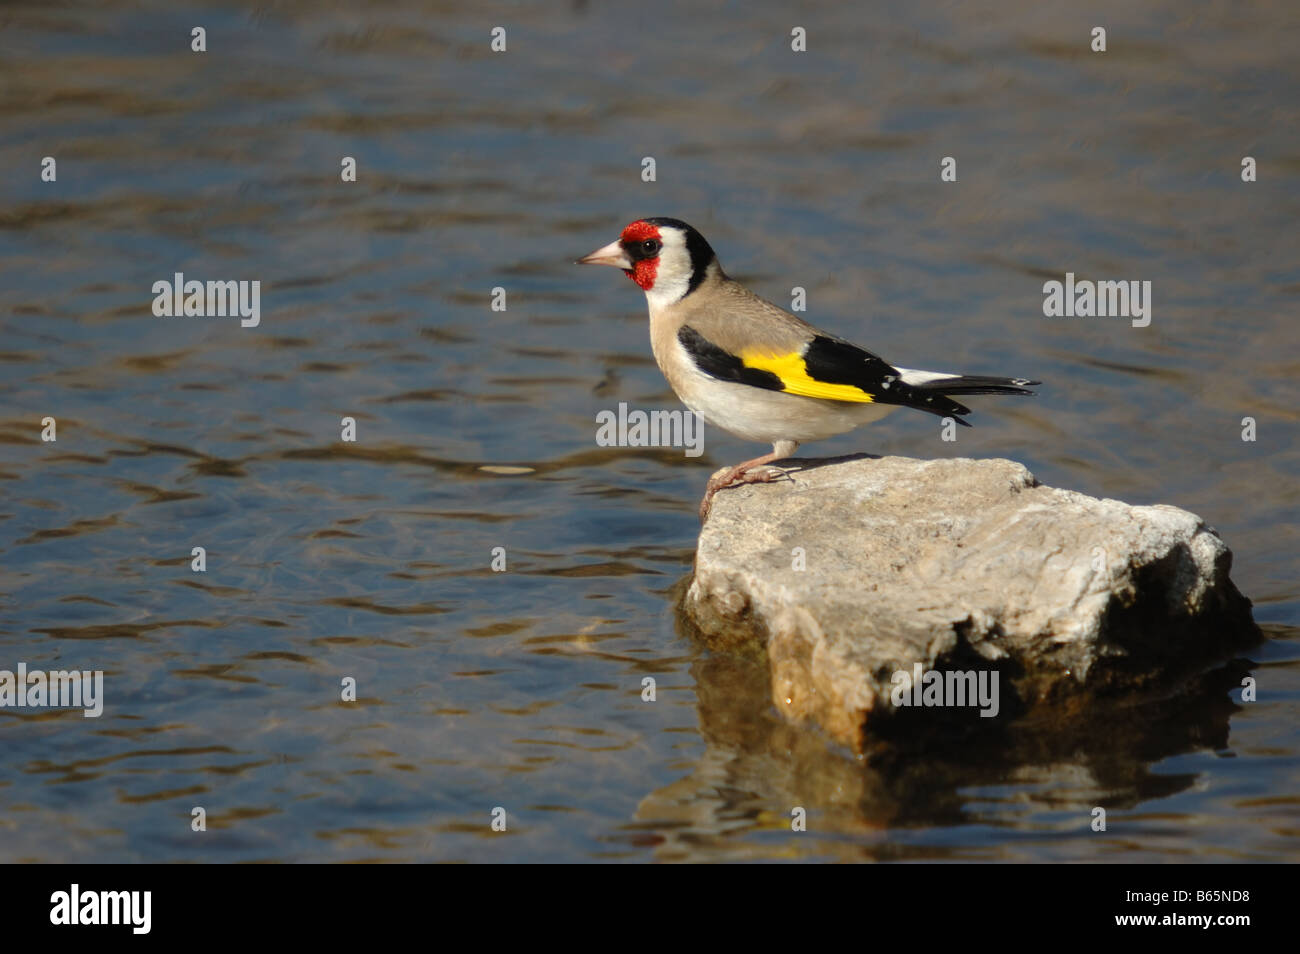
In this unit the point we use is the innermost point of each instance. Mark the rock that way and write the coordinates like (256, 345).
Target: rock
(862, 568)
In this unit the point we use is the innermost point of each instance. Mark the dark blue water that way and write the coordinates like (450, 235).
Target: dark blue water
(371, 559)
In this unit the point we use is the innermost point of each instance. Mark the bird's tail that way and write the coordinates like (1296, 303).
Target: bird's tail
(978, 384)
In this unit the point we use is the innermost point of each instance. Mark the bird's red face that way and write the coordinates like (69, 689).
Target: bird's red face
(666, 257)
(636, 252)
(643, 244)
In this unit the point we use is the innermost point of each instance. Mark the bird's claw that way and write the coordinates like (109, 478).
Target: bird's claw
(768, 474)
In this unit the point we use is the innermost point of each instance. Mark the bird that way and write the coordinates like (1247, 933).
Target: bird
(757, 371)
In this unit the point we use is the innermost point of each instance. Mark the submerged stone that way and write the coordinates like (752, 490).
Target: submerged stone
(861, 570)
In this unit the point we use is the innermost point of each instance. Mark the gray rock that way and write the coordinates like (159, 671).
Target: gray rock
(958, 565)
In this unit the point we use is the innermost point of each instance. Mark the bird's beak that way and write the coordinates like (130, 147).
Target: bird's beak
(611, 254)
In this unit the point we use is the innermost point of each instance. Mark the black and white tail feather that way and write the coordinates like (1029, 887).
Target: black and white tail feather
(932, 391)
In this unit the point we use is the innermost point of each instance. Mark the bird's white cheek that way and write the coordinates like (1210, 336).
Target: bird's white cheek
(669, 286)
(661, 295)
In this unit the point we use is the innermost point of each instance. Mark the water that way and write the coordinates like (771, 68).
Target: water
(371, 559)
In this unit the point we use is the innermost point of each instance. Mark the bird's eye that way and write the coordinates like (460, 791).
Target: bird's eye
(651, 246)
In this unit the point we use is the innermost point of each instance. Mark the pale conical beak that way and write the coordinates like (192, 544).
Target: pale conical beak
(611, 254)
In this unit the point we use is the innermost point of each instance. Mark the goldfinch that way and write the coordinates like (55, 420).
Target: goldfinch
(743, 364)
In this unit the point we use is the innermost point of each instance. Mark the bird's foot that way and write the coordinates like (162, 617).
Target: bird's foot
(750, 472)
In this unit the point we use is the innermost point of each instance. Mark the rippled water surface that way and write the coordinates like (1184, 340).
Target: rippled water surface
(371, 559)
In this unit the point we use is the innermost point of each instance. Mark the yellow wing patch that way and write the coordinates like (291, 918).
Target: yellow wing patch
(793, 372)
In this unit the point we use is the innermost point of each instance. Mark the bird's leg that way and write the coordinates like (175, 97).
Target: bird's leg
(743, 473)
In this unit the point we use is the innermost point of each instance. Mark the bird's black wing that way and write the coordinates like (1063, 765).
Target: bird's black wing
(836, 361)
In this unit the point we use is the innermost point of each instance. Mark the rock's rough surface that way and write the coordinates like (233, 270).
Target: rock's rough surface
(862, 567)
